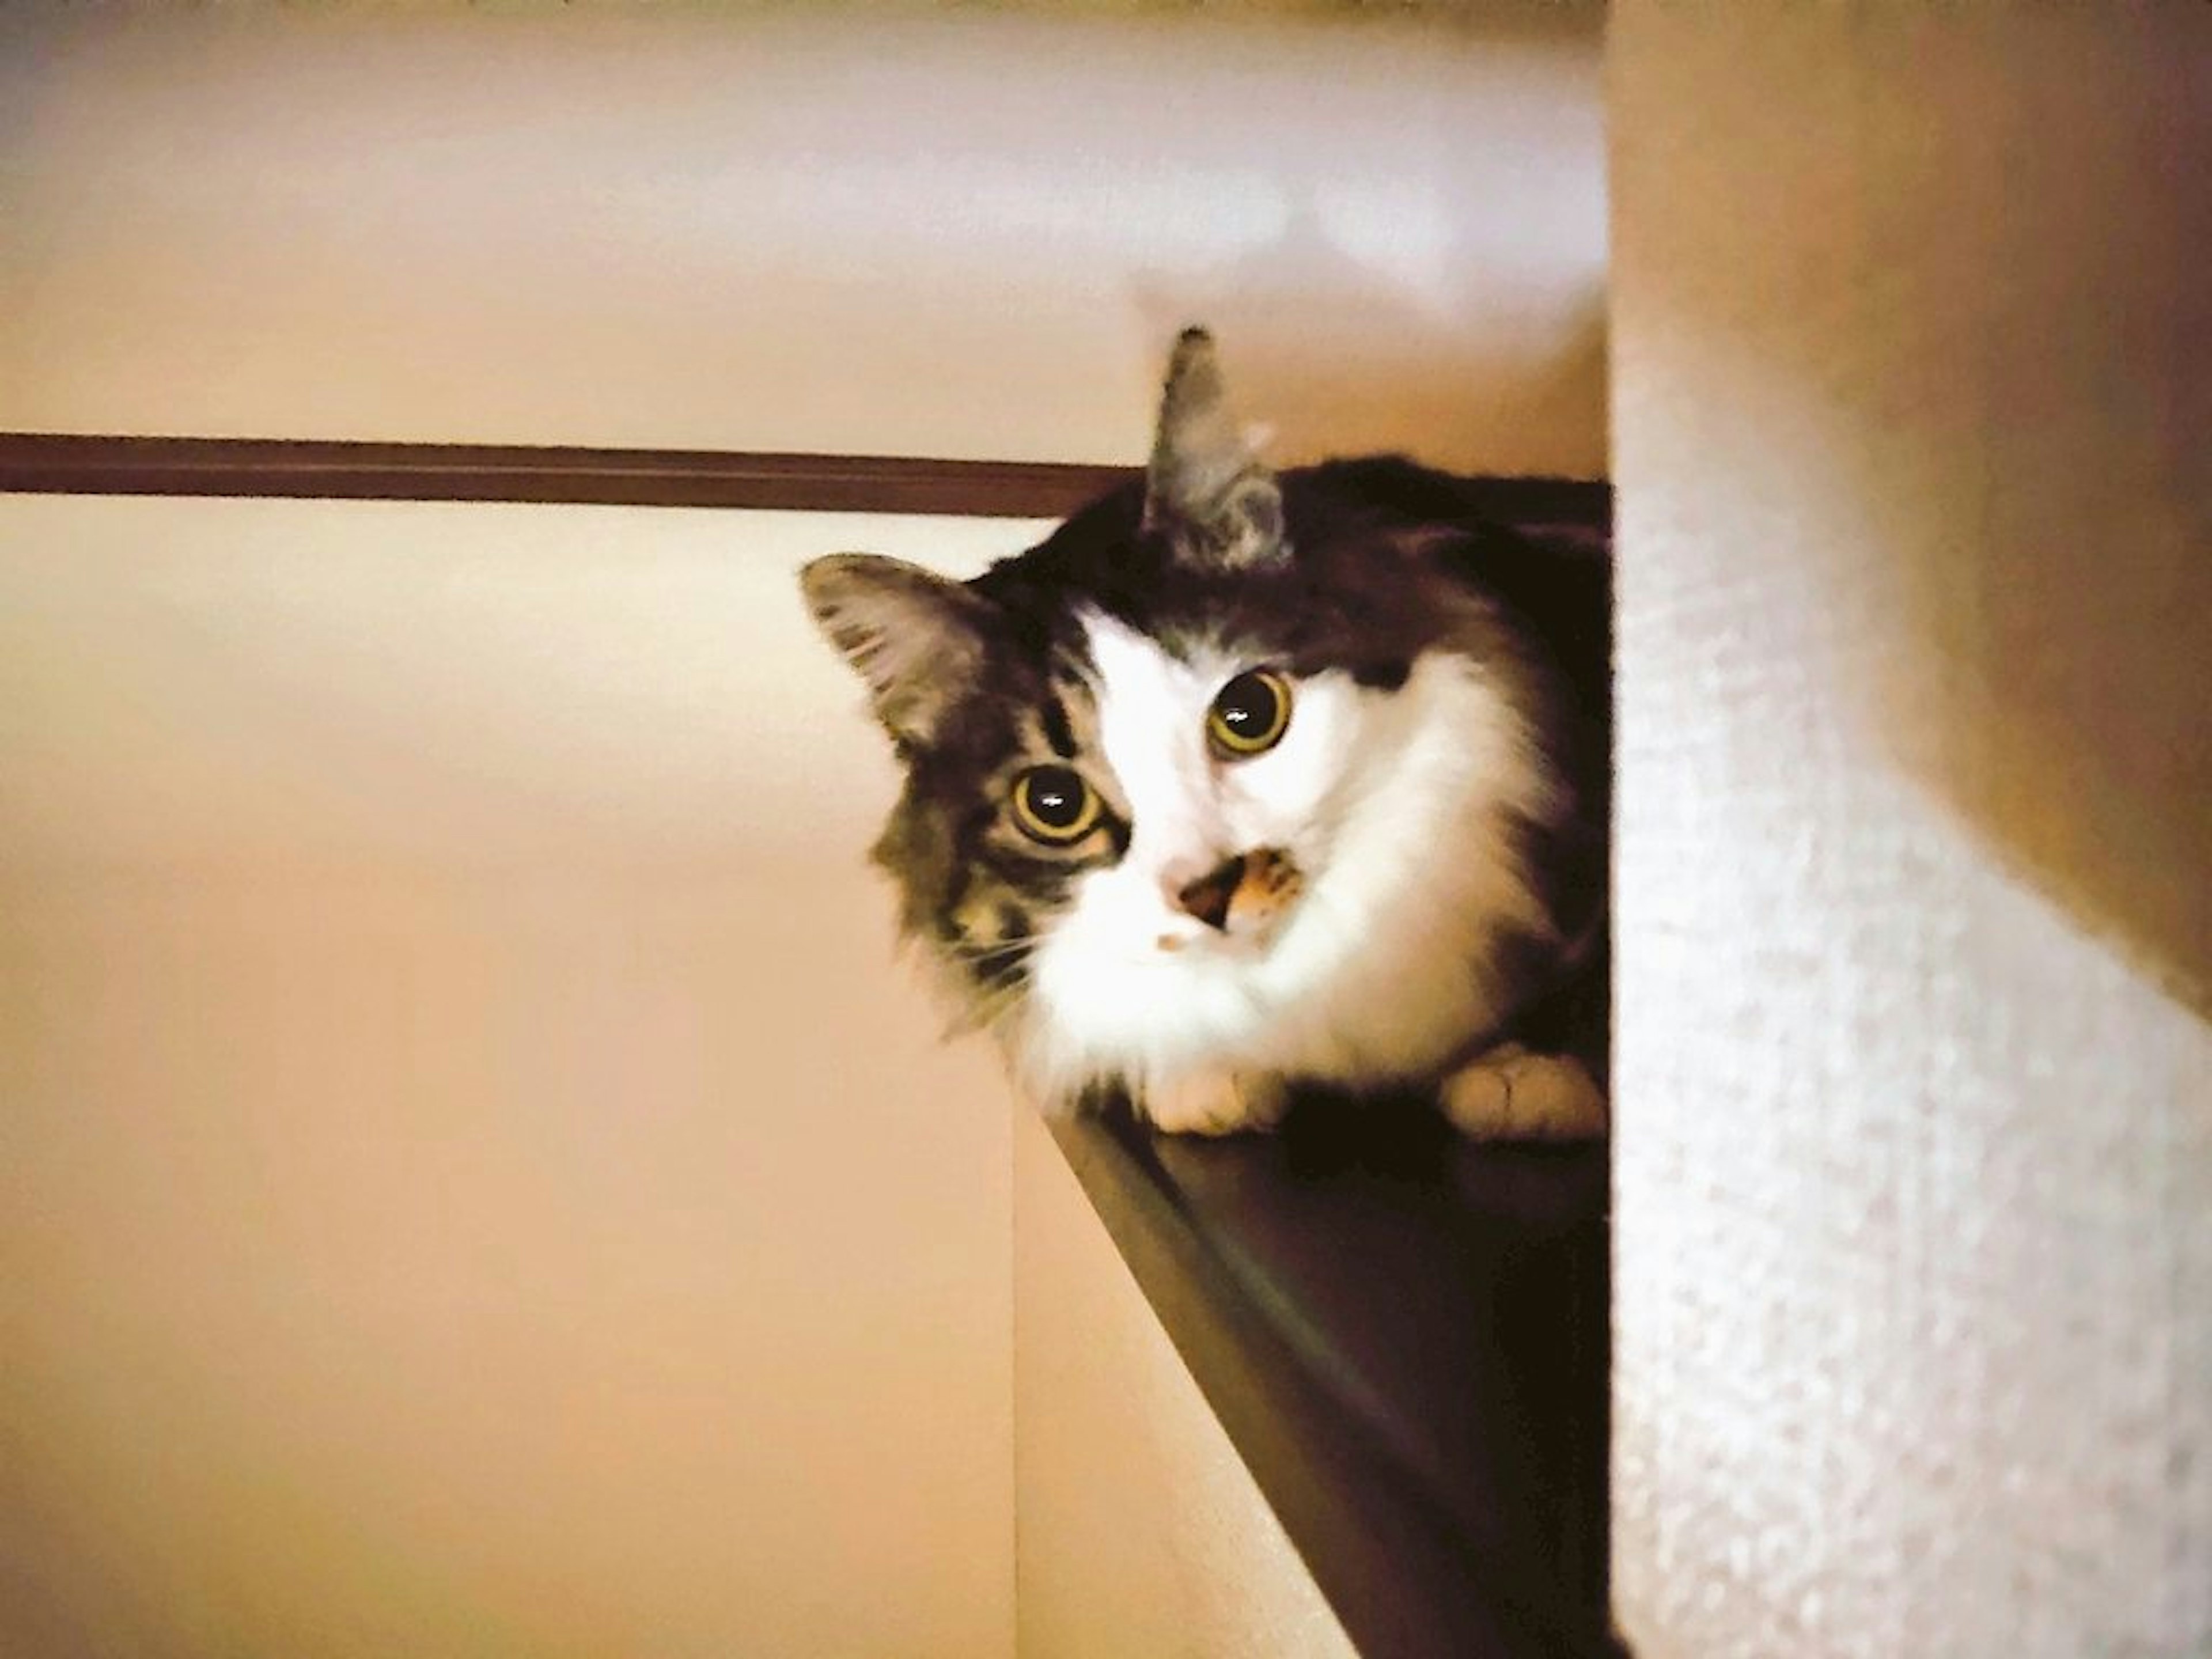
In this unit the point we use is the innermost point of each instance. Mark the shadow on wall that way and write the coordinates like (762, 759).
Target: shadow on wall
(1387, 370)
(2053, 681)
(2070, 658)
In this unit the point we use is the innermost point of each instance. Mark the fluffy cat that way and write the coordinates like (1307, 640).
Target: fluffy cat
(1242, 781)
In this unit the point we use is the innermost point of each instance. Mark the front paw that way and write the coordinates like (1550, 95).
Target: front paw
(1214, 1103)
(1512, 1094)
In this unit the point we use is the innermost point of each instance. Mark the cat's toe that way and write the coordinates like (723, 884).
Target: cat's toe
(1511, 1093)
(1214, 1103)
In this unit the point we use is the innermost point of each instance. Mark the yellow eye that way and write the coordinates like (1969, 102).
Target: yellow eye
(1054, 805)
(1250, 714)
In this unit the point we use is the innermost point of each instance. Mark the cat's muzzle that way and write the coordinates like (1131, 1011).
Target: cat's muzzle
(1241, 899)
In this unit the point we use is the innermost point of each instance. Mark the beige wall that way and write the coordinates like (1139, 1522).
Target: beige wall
(1912, 380)
(474, 1183)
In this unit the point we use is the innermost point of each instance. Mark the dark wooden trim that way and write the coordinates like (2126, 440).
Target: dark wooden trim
(87, 465)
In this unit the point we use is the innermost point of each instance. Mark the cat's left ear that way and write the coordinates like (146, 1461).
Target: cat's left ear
(1206, 490)
(914, 637)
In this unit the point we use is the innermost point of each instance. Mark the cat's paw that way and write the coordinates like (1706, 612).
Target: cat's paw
(1512, 1094)
(1215, 1103)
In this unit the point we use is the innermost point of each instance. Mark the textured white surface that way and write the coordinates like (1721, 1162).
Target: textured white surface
(1913, 380)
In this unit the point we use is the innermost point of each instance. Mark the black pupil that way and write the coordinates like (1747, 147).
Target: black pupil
(1247, 706)
(1055, 797)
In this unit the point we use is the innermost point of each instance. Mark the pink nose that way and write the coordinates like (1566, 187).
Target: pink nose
(1207, 897)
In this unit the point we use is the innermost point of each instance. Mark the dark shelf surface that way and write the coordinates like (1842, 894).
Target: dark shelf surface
(1404, 1333)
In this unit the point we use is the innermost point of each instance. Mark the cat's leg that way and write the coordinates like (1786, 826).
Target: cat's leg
(1512, 1093)
(1215, 1102)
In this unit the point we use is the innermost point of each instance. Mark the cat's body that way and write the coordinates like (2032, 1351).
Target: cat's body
(1239, 782)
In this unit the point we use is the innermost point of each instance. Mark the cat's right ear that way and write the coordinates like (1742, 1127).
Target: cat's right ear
(1204, 487)
(914, 637)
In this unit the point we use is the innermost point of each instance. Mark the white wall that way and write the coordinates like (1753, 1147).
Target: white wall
(1912, 380)
(871, 230)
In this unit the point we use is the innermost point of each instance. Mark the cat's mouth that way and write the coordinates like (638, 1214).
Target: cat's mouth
(1241, 901)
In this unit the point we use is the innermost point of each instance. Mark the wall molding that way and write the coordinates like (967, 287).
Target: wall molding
(78, 464)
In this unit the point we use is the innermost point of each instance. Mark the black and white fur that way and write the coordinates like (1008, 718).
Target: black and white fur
(1415, 873)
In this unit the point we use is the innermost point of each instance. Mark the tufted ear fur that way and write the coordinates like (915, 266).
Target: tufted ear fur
(914, 637)
(1205, 490)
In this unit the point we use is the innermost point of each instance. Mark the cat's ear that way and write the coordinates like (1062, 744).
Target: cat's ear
(1206, 490)
(914, 637)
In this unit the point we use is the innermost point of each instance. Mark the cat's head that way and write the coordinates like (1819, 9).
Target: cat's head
(1164, 768)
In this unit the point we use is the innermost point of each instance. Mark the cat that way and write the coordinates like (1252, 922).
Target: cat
(1241, 783)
